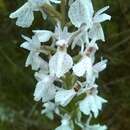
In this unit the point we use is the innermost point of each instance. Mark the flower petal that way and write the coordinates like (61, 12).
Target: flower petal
(63, 97)
(101, 18)
(96, 32)
(101, 10)
(43, 35)
(24, 15)
(91, 103)
(45, 90)
(100, 66)
(34, 60)
(26, 45)
(85, 64)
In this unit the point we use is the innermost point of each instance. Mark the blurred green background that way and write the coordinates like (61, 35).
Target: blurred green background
(18, 111)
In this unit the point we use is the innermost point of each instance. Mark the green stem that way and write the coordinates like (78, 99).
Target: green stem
(52, 12)
(63, 11)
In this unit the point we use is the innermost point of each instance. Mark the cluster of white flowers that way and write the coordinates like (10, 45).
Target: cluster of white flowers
(52, 72)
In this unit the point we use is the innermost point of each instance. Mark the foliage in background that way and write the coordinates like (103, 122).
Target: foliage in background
(18, 111)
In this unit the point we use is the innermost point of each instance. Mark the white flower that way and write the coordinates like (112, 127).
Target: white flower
(50, 109)
(84, 67)
(95, 127)
(63, 97)
(25, 14)
(82, 12)
(60, 63)
(86, 63)
(34, 60)
(92, 103)
(65, 124)
(96, 31)
(45, 89)
(33, 45)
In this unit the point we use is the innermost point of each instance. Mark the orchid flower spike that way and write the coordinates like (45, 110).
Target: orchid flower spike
(63, 76)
